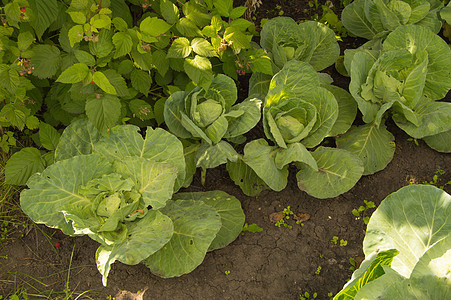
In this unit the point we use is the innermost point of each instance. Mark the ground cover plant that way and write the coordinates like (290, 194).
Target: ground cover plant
(113, 110)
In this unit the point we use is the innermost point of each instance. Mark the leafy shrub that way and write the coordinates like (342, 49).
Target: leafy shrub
(406, 248)
(92, 57)
(119, 189)
(405, 77)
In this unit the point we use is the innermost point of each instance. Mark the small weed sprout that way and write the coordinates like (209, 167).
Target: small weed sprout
(334, 241)
(360, 212)
(307, 296)
(286, 216)
(436, 178)
(318, 270)
(413, 140)
(227, 272)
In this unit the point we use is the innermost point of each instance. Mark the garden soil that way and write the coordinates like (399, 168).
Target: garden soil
(276, 263)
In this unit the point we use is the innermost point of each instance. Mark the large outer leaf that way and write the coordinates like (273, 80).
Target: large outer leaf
(173, 109)
(361, 64)
(228, 207)
(144, 238)
(295, 152)
(435, 118)
(417, 38)
(440, 142)
(158, 145)
(374, 146)
(245, 178)
(436, 261)
(316, 43)
(77, 139)
(347, 110)
(338, 171)
(323, 49)
(56, 188)
(427, 287)
(195, 227)
(154, 180)
(208, 156)
(411, 220)
(260, 157)
(251, 109)
(371, 269)
(354, 19)
(259, 85)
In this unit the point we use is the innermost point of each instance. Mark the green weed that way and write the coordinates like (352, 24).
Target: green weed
(286, 216)
(436, 179)
(306, 296)
(336, 242)
(360, 212)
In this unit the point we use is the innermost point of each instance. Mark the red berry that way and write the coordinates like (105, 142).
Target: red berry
(23, 9)
(57, 244)
(92, 82)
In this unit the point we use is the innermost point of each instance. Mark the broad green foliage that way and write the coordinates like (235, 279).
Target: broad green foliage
(298, 114)
(210, 117)
(308, 41)
(285, 40)
(407, 248)
(117, 189)
(406, 78)
(372, 19)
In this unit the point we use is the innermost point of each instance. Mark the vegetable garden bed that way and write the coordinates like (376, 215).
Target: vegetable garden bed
(303, 230)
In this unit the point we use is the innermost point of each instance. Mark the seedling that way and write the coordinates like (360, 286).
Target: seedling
(436, 178)
(286, 216)
(360, 212)
(318, 270)
(334, 241)
(251, 228)
(413, 140)
(307, 296)
(227, 272)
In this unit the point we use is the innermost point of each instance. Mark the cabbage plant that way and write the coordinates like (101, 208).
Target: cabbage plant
(299, 112)
(206, 118)
(405, 78)
(407, 248)
(118, 189)
(373, 19)
(285, 40)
